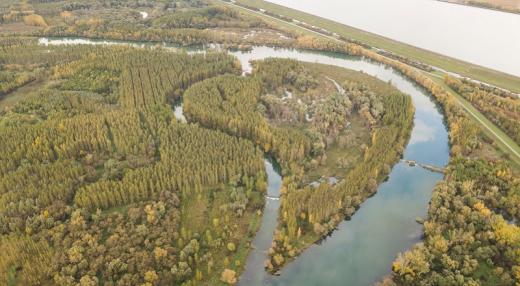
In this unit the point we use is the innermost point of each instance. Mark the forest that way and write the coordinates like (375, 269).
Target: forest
(235, 105)
(181, 22)
(94, 164)
(502, 108)
(101, 184)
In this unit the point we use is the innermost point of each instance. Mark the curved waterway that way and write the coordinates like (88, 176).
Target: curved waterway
(361, 250)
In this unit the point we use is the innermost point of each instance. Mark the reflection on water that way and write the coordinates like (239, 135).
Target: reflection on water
(424, 133)
(362, 250)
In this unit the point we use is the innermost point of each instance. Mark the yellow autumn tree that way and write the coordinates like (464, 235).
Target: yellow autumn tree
(35, 20)
(228, 276)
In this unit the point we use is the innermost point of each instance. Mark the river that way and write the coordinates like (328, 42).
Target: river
(254, 271)
(361, 250)
(481, 36)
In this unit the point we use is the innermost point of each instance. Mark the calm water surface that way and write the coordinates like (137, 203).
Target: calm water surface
(254, 272)
(480, 36)
(361, 251)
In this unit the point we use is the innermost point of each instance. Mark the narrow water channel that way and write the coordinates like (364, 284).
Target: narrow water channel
(361, 250)
(178, 110)
(260, 245)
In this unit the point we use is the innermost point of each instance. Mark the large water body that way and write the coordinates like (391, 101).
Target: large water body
(481, 36)
(361, 250)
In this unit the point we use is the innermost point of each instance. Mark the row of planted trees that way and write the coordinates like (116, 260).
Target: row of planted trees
(229, 103)
(143, 78)
(501, 108)
(113, 183)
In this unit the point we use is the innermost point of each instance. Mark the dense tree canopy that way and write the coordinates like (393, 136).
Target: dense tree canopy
(99, 183)
(97, 166)
(500, 107)
(314, 211)
(236, 105)
(230, 103)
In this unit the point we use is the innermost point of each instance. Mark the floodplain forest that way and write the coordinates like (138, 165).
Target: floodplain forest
(101, 182)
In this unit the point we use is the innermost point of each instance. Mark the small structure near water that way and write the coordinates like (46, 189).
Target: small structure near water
(330, 180)
(428, 167)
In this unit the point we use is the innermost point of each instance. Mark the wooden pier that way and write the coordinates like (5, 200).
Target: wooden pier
(428, 167)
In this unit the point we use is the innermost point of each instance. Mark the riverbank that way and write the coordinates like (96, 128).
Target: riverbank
(406, 210)
(505, 143)
(473, 71)
(330, 258)
(505, 7)
(406, 187)
(463, 134)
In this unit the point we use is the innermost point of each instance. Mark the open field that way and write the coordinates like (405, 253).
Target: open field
(480, 73)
